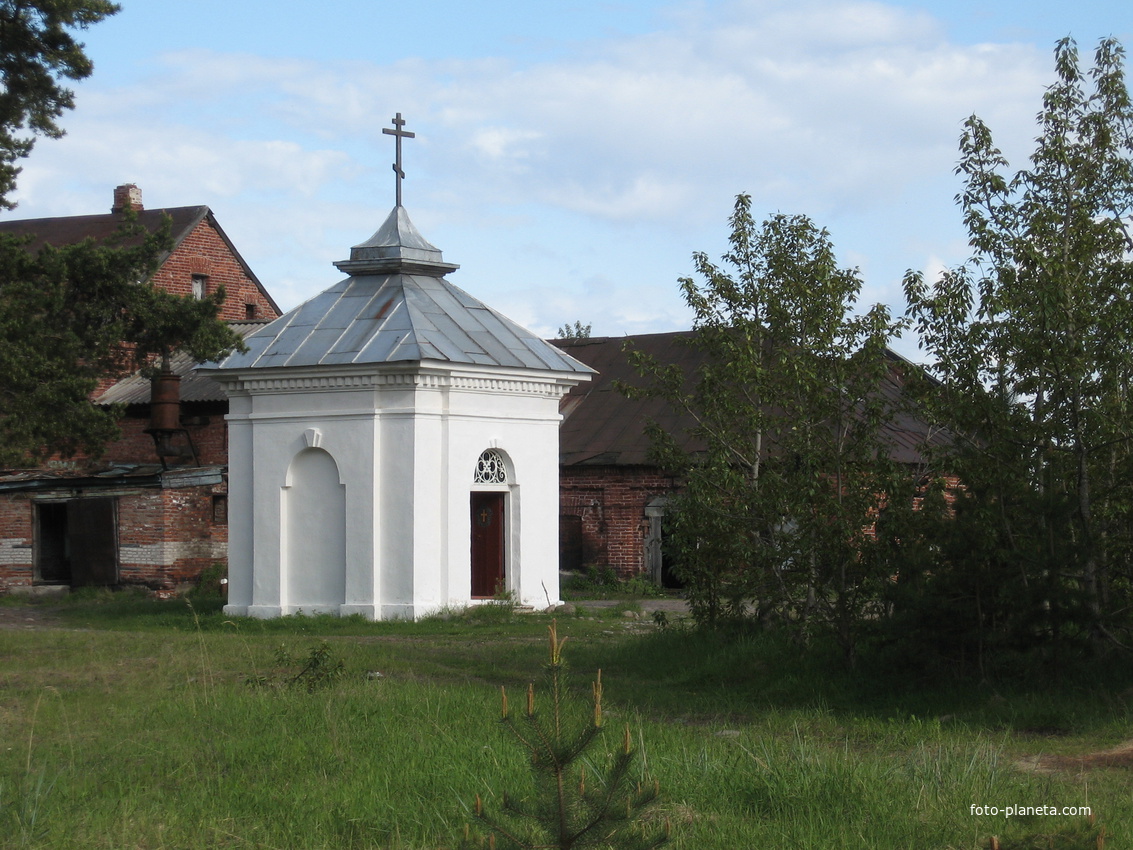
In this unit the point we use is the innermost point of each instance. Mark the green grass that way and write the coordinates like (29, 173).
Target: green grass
(604, 583)
(132, 726)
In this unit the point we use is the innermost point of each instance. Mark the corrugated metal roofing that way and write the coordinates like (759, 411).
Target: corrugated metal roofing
(195, 385)
(397, 307)
(603, 427)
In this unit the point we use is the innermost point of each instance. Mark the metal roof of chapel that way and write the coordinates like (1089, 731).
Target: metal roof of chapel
(396, 306)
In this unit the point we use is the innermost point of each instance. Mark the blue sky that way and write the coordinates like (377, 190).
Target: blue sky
(569, 156)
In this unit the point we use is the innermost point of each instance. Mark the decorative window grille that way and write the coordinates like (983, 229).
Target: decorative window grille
(490, 468)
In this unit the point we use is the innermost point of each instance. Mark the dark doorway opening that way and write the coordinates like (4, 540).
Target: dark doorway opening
(660, 559)
(77, 542)
(670, 563)
(53, 563)
(570, 543)
(487, 545)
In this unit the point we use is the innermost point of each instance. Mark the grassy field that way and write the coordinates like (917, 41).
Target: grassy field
(129, 723)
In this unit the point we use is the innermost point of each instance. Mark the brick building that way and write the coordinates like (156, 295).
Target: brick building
(130, 519)
(612, 498)
(131, 516)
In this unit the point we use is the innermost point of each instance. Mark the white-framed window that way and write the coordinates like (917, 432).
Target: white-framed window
(200, 285)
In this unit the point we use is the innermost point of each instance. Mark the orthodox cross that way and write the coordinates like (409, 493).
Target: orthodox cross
(399, 134)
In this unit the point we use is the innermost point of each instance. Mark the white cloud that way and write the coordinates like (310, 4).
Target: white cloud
(844, 110)
(181, 165)
(810, 104)
(646, 196)
(500, 143)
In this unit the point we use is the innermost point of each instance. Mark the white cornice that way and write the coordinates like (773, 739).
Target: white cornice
(412, 376)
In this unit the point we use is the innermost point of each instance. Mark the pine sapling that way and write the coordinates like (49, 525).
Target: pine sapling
(569, 809)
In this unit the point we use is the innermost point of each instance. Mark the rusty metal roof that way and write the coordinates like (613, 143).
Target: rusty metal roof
(195, 385)
(603, 427)
(396, 306)
(108, 476)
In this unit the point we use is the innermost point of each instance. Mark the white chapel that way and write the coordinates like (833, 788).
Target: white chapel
(393, 445)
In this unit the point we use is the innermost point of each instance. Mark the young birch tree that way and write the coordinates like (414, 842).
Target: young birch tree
(1032, 340)
(773, 514)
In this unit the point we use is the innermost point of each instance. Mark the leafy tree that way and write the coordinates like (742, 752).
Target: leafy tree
(774, 512)
(1032, 340)
(73, 315)
(578, 331)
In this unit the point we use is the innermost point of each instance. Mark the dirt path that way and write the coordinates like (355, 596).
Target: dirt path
(672, 607)
(29, 617)
(40, 615)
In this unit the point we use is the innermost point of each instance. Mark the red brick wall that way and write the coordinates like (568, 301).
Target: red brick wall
(210, 437)
(165, 537)
(609, 504)
(610, 501)
(15, 541)
(204, 252)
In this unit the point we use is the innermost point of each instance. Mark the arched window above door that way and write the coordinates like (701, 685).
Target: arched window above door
(490, 468)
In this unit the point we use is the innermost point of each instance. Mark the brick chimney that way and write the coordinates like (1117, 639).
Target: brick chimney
(127, 197)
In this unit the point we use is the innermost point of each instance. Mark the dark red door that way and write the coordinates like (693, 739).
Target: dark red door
(487, 544)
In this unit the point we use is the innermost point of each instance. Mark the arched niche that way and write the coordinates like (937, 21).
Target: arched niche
(313, 535)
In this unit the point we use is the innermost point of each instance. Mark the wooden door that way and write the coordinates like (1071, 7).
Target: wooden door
(92, 541)
(487, 544)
